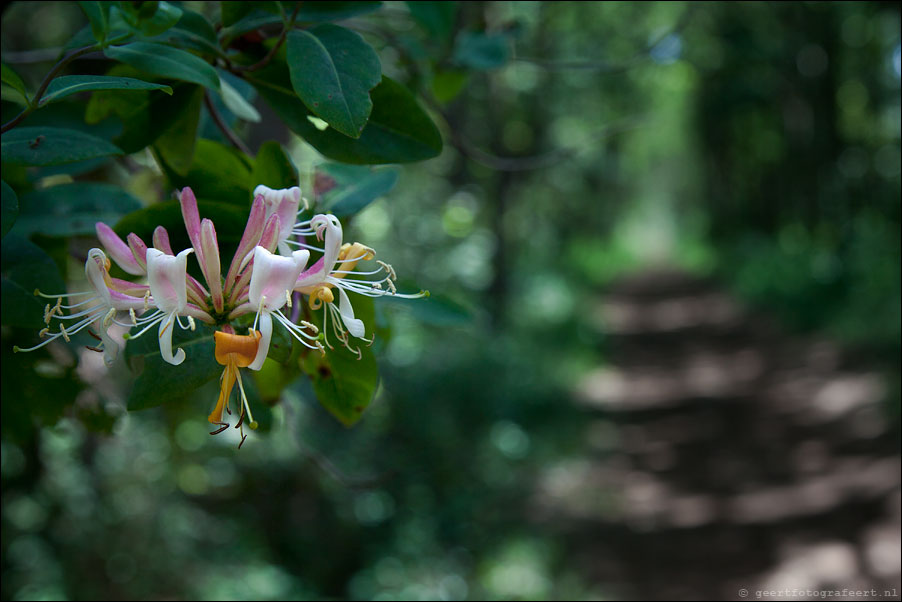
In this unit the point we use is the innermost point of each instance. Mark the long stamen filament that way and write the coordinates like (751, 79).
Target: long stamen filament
(152, 321)
(247, 406)
(259, 311)
(38, 293)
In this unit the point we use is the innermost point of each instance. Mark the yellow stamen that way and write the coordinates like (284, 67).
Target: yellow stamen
(356, 252)
(389, 269)
(320, 294)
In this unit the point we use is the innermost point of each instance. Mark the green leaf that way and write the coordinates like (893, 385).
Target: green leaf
(398, 131)
(9, 209)
(193, 31)
(280, 345)
(144, 114)
(83, 37)
(97, 13)
(320, 12)
(447, 84)
(218, 172)
(250, 22)
(479, 50)
(237, 104)
(12, 79)
(159, 382)
(165, 61)
(344, 384)
(52, 146)
(437, 18)
(240, 17)
(333, 70)
(165, 17)
(356, 187)
(232, 12)
(72, 209)
(25, 267)
(177, 143)
(71, 84)
(273, 168)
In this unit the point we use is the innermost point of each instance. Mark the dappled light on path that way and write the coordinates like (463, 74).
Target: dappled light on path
(723, 453)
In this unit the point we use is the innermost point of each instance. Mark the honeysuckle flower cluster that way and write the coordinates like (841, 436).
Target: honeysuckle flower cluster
(268, 273)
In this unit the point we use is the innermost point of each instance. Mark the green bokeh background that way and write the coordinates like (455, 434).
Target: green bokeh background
(752, 145)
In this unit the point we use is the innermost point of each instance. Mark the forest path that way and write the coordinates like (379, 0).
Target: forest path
(723, 454)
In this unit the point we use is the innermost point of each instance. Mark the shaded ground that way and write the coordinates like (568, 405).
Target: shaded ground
(723, 454)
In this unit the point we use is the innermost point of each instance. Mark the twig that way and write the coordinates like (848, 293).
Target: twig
(34, 103)
(272, 52)
(221, 124)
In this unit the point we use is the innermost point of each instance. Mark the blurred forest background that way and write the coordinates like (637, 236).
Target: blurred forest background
(671, 232)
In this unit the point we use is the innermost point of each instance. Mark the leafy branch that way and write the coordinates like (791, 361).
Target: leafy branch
(272, 51)
(34, 103)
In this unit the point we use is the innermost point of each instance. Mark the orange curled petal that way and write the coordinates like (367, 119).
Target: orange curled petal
(239, 350)
(226, 383)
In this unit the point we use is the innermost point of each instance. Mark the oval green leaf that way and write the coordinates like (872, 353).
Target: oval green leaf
(96, 13)
(356, 186)
(25, 267)
(159, 382)
(273, 168)
(52, 146)
(193, 31)
(333, 70)
(218, 172)
(65, 85)
(398, 131)
(72, 209)
(177, 143)
(344, 382)
(12, 79)
(165, 61)
(237, 104)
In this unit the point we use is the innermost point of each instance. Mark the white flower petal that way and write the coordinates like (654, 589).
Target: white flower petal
(354, 325)
(110, 345)
(266, 335)
(95, 270)
(273, 276)
(167, 278)
(166, 328)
